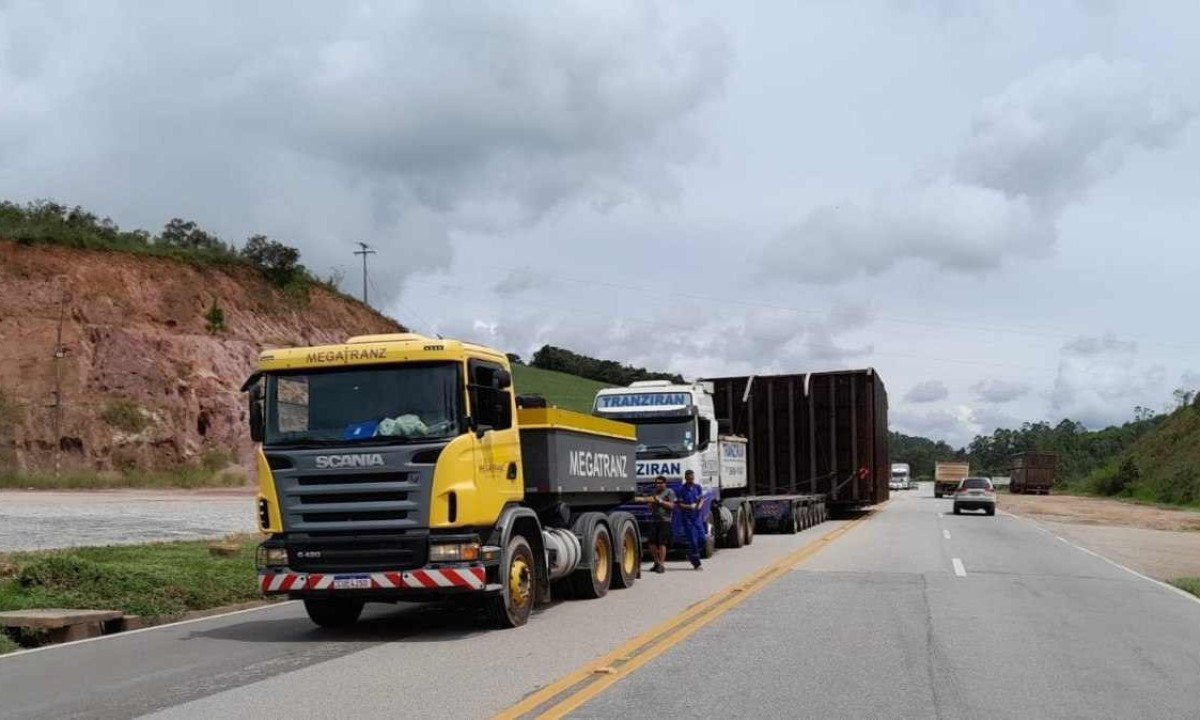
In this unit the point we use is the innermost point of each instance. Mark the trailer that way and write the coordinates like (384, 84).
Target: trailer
(1032, 473)
(818, 439)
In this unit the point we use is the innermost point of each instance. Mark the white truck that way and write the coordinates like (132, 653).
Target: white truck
(677, 431)
(901, 477)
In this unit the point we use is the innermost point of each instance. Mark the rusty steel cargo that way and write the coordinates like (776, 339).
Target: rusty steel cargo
(820, 433)
(1032, 473)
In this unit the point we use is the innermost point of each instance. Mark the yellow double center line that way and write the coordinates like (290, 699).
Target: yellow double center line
(571, 691)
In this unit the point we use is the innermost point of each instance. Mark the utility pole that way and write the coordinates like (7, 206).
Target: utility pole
(364, 250)
(60, 352)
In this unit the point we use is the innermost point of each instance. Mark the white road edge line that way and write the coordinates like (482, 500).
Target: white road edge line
(112, 636)
(946, 534)
(1114, 563)
(959, 570)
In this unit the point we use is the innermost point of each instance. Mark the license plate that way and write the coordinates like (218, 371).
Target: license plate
(352, 582)
(975, 492)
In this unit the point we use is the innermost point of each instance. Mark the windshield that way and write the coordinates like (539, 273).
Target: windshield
(375, 406)
(899, 475)
(666, 439)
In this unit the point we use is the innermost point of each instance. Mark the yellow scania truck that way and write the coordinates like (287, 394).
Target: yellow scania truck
(401, 467)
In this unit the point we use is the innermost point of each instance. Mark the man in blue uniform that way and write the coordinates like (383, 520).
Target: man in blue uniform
(690, 500)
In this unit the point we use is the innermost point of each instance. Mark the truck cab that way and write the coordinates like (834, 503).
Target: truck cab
(677, 431)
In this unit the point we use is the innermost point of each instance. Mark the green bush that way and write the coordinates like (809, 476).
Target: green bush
(1115, 480)
(125, 415)
(1181, 487)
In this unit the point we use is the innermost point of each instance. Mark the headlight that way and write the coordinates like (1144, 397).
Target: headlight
(267, 557)
(453, 552)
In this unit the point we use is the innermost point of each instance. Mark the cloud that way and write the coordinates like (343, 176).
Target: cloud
(1101, 388)
(517, 281)
(1032, 150)
(1086, 346)
(995, 390)
(927, 391)
(402, 124)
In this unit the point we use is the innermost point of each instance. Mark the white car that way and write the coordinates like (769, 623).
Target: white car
(975, 493)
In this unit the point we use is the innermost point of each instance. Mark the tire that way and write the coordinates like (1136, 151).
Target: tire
(511, 608)
(991, 511)
(710, 541)
(937, 494)
(591, 583)
(627, 555)
(333, 612)
(957, 510)
(736, 537)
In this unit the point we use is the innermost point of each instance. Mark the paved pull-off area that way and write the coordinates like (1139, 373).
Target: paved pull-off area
(913, 612)
(40, 520)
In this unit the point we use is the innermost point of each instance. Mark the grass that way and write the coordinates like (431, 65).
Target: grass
(1189, 584)
(152, 580)
(92, 480)
(566, 391)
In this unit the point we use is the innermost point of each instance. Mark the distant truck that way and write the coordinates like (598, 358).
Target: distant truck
(947, 476)
(901, 477)
(400, 467)
(1032, 473)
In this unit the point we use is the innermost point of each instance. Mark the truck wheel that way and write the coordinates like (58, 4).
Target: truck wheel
(333, 612)
(937, 494)
(627, 558)
(511, 608)
(591, 583)
(736, 537)
(957, 510)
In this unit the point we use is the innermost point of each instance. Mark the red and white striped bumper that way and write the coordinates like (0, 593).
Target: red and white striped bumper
(462, 578)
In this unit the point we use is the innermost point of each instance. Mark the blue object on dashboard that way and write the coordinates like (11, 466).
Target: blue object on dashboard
(360, 431)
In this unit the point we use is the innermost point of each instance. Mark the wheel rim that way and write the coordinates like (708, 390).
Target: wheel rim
(603, 553)
(629, 554)
(519, 583)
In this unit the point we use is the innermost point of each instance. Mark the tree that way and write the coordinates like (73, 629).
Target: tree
(279, 262)
(514, 359)
(187, 235)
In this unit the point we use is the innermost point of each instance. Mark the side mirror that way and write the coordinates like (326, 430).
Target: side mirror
(481, 430)
(503, 379)
(257, 419)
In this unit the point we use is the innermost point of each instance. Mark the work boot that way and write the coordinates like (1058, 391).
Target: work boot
(696, 565)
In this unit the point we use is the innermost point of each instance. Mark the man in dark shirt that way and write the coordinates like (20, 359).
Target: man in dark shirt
(662, 504)
(691, 500)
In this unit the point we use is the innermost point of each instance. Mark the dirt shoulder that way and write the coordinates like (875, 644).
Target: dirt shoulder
(1100, 511)
(1159, 542)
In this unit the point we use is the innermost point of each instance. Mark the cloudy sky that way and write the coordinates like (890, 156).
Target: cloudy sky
(995, 205)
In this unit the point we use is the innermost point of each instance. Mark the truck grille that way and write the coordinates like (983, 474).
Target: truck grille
(392, 498)
(351, 553)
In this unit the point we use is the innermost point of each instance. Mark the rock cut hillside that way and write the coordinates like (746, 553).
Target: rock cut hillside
(145, 380)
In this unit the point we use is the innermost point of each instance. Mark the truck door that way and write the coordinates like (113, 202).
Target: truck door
(498, 476)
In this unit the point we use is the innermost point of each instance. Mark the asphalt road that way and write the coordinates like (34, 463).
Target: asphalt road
(877, 624)
(885, 623)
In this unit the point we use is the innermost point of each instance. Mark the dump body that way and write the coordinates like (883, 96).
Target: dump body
(947, 476)
(817, 434)
(579, 460)
(1032, 473)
